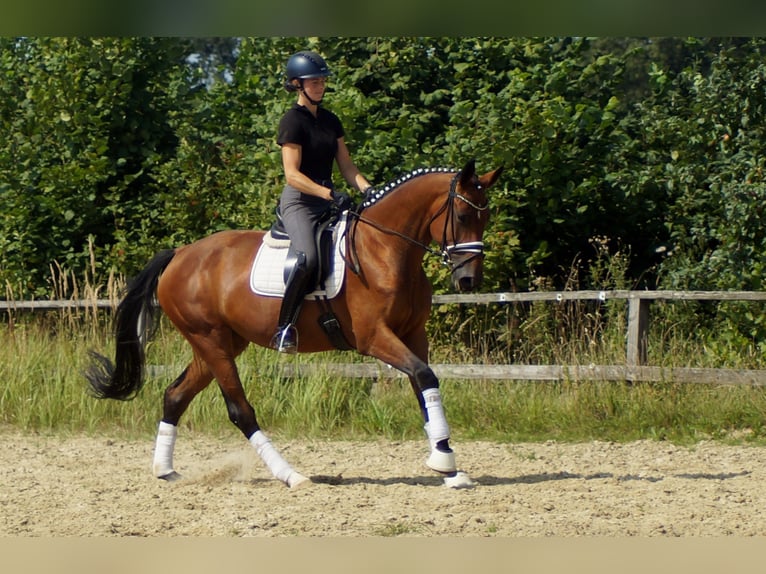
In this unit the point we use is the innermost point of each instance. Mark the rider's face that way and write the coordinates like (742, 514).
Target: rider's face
(315, 87)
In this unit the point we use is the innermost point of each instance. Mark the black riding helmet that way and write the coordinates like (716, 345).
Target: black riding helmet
(305, 65)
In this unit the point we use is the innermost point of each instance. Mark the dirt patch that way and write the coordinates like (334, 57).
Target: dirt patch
(80, 486)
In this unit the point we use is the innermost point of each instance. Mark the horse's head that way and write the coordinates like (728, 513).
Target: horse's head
(456, 224)
(459, 227)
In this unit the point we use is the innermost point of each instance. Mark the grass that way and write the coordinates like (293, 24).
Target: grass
(42, 358)
(43, 390)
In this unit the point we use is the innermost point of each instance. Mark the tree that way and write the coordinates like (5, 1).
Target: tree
(88, 120)
(646, 146)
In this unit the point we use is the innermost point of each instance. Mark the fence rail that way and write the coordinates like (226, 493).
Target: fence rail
(635, 368)
(467, 372)
(638, 310)
(57, 304)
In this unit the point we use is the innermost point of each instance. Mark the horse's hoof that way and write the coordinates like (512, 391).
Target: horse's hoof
(296, 481)
(459, 480)
(172, 476)
(441, 461)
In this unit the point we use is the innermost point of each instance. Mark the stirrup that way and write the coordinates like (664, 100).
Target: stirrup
(285, 340)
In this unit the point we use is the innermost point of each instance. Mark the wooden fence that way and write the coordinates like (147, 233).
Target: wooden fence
(634, 369)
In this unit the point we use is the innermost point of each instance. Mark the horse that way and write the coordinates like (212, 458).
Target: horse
(382, 309)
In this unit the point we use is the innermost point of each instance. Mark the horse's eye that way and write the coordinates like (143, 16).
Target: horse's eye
(462, 218)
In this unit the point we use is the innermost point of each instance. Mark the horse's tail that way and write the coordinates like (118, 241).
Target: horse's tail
(134, 326)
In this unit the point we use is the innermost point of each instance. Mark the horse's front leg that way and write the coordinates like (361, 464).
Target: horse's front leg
(425, 384)
(411, 360)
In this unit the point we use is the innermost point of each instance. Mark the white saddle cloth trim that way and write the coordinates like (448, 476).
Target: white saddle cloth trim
(267, 273)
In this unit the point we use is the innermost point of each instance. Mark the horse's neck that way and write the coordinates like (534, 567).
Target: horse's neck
(407, 211)
(394, 235)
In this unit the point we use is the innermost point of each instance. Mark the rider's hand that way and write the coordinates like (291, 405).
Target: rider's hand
(341, 200)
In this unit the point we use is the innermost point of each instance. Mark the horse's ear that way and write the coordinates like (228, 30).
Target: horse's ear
(488, 179)
(467, 173)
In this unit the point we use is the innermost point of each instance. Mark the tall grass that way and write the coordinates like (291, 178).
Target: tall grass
(42, 389)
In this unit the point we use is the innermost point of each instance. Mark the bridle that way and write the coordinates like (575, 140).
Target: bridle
(446, 252)
(474, 248)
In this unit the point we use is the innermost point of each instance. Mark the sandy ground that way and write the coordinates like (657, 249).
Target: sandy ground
(103, 487)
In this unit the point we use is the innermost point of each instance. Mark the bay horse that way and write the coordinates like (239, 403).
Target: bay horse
(383, 307)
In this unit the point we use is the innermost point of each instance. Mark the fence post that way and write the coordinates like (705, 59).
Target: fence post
(638, 326)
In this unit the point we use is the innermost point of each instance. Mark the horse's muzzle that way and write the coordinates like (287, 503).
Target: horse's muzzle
(467, 275)
(466, 261)
(466, 283)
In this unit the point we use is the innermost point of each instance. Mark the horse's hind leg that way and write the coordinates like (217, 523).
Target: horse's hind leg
(177, 398)
(241, 412)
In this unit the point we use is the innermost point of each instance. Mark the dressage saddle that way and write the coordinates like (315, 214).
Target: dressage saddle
(326, 250)
(324, 242)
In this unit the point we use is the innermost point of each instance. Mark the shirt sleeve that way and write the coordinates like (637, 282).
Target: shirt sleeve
(336, 124)
(290, 129)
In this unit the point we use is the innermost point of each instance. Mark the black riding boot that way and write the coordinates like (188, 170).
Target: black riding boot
(285, 340)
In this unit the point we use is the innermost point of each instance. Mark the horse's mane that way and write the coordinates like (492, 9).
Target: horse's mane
(376, 194)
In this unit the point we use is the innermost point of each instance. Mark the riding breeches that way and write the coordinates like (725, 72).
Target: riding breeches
(301, 214)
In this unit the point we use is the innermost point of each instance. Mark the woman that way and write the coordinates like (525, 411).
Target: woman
(311, 138)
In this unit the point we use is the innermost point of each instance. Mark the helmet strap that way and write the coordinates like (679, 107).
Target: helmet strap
(309, 98)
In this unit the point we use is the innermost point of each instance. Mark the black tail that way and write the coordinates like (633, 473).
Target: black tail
(134, 322)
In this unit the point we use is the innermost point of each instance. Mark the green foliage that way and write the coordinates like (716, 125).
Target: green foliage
(88, 124)
(715, 171)
(118, 147)
(42, 360)
(708, 120)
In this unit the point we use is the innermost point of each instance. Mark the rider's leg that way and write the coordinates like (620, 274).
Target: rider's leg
(298, 283)
(300, 214)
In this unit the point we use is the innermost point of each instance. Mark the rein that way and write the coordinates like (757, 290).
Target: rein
(446, 251)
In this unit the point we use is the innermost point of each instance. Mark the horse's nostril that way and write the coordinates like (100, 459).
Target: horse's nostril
(465, 284)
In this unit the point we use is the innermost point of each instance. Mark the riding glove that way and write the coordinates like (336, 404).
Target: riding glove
(341, 200)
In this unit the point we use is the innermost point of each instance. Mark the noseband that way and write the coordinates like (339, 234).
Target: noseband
(474, 248)
(446, 252)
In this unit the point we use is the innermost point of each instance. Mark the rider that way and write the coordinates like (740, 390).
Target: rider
(311, 138)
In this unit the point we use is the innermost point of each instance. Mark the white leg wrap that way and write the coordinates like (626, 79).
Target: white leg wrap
(441, 461)
(163, 450)
(274, 461)
(437, 427)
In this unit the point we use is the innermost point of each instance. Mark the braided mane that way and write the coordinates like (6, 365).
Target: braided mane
(377, 194)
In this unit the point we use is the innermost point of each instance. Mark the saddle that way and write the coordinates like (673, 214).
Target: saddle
(325, 238)
(275, 259)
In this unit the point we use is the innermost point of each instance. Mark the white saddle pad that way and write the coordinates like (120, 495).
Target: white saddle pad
(267, 273)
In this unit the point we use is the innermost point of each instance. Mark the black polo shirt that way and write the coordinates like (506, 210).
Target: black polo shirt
(317, 136)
